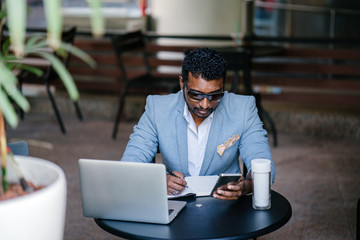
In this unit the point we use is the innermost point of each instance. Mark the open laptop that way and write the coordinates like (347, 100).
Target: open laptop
(126, 191)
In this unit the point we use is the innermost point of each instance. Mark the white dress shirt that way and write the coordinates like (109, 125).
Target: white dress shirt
(197, 140)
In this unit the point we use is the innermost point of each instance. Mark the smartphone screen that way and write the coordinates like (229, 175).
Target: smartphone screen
(226, 178)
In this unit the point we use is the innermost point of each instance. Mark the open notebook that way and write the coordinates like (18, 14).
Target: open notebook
(200, 186)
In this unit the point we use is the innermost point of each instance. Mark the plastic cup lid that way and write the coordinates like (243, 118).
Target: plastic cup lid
(261, 165)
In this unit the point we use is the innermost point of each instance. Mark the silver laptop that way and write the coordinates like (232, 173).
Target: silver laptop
(126, 191)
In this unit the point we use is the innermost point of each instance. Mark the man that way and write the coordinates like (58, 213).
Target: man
(202, 129)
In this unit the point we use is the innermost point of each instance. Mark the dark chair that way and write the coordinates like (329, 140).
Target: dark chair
(51, 76)
(134, 44)
(19, 148)
(240, 61)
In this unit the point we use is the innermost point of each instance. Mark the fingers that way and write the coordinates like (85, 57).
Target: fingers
(230, 191)
(179, 174)
(175, 184)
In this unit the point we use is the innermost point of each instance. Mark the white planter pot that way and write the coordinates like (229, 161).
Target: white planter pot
(39, 215)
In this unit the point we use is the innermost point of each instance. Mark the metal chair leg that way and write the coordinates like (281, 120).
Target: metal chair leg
(235, 83)
(78, 110)
(119, 113)
(272, 126)
(53, 103)
(358, 220)
(264, 115)
(21, 112)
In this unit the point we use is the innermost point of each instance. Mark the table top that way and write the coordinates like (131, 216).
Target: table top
(210, 218)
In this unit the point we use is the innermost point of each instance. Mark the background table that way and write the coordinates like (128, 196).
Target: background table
(210, 218)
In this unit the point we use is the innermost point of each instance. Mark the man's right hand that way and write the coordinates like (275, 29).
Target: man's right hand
(175, 184)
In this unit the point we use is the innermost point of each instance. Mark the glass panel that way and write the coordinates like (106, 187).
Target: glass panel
(269, 22)
(307, 18)
(309, 24)
(36, 17)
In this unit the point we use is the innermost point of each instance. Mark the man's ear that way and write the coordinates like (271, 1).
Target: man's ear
(181, 82)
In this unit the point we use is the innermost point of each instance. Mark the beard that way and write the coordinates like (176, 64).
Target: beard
(198, 111)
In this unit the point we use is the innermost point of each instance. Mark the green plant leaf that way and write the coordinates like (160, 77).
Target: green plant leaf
(33, 39)
(13, 64)
(5, 46)
(8, 110)
(54, 22)
(63, 73)
(9, 58)
(34, 42)
(34, 70)
(2, 14)
(97, 19)
(7, 77)
(8, 82)
(79, 53)
(16, 11)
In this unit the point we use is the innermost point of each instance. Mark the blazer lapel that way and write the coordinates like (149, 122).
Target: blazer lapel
(211, 147)
(181, 133)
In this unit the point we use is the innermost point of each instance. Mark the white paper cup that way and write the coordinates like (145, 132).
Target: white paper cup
(261, 172)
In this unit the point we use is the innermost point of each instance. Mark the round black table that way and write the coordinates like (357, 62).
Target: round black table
(210, 218)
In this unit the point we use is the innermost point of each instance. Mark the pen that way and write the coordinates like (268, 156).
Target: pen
(172, 174)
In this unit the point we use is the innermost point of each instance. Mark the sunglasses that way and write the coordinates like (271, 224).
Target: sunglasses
(198, 96)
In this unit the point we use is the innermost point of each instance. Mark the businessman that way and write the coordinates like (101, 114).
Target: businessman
(202, 129)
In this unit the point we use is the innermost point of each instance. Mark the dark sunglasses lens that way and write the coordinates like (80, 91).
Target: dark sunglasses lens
(215, 97)
(196, 96)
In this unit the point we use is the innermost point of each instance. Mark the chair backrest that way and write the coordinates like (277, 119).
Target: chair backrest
(68, 37)
(238, 61)
(130, 42)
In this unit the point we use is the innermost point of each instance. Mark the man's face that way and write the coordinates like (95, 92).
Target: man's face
(201, 96)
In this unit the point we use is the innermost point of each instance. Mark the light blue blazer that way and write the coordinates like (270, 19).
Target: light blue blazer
(163, 125)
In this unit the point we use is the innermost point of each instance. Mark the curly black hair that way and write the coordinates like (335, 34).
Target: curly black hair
(205, 63)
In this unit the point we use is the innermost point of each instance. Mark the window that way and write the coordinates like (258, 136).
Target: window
(112, 8)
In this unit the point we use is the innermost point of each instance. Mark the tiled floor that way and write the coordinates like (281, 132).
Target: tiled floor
(319, 176)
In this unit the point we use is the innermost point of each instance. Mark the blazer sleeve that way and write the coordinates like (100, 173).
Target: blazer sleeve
(143, 143)
(254, 141)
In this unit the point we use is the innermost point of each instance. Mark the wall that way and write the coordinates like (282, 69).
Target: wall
(213, 17)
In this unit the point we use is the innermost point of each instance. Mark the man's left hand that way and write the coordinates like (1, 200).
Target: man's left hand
(233, 190)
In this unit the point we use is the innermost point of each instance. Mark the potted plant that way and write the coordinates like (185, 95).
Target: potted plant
(40, 214)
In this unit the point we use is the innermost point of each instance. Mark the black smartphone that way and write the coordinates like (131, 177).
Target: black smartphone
(226, 178)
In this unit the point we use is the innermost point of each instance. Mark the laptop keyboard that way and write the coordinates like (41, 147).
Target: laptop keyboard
(170, 211)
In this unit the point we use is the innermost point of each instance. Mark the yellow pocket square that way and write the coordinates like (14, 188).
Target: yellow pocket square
(221, 148)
